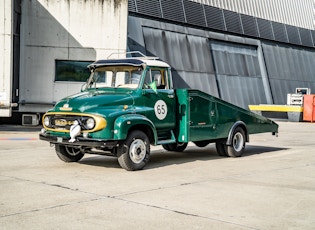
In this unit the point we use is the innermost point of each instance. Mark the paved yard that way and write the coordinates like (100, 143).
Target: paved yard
(271, 187)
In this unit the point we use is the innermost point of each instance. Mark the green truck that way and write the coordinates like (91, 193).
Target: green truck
(129, 104)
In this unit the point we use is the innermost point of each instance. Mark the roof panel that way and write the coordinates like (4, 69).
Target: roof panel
(129, 61)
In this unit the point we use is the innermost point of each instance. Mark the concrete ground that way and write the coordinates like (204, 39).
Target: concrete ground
(271, 187)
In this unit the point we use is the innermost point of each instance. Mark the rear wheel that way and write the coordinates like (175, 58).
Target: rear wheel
(68, 153)
(201, 144)
(237, 146)
(166, 147)
(221, 149)
(134, 152)
(176, 147)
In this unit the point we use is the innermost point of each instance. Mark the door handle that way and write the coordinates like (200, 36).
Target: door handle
(170, 96)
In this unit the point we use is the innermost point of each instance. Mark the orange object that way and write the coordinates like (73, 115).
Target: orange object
(309, 108)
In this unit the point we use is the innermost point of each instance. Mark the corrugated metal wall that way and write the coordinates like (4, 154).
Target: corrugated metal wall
(195, 14)
(288, 68)
(238, 73)
(188, 55)
(240, 70)
(226, 70)
(293, 12)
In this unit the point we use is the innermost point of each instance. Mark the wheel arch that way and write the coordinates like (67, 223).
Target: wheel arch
(236, 125)
(128, 123)
(147, 130)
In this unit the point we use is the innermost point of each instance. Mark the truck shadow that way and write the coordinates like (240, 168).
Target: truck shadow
(161, 158)
(255, 149)
(99, 160)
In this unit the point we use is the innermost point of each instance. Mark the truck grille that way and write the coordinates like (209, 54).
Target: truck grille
(61, 122)
(65, 122)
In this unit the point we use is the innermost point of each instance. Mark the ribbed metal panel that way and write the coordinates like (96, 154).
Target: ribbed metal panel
(249, 25)
(238, 74)
(288, 69)
(149, 7)
(306, 37)
(279, 32)
(293, 34)
(231, 68)
(265, 29)
(214, 17)
(132, 6)
(197, 14)
(194, 68)
(232, 21)
(173, 10)
(292, 12)
(313, 36)
(194, 13)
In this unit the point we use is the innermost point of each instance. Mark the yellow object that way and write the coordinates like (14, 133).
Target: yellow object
(100, 122)
(276, 108)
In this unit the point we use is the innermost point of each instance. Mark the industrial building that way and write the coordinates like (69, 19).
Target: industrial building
(243, 51)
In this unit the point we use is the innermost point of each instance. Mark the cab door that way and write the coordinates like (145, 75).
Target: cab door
(160, 102)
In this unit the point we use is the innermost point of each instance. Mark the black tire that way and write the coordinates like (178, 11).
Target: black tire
(166, 147)
(221, 149)
(177, 147)
(237, 146)
(68, 153)
(201, 144)
(134, 152)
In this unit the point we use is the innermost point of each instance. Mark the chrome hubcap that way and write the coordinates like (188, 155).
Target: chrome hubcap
(238, 142)
(137, 151)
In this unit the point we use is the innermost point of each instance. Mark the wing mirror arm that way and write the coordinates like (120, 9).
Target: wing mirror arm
(83, 87)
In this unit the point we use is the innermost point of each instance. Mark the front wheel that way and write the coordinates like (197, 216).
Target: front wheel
(68, 154)
(134, 152)
(237, 146)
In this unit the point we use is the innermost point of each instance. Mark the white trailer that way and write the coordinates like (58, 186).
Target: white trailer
(6, 58)
(55, 34)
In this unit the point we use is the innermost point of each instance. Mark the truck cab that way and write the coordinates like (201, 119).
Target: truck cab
(128, 104)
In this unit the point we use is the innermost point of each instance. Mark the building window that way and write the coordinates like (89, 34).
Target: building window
(72, 70)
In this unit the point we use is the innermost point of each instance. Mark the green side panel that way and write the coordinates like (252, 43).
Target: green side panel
(183, 134)
(205, 117)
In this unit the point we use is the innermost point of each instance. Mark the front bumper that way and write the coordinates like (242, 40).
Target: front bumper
(80, 142)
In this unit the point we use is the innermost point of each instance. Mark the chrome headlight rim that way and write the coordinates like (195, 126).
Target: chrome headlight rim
(47, 121)
(90, 123)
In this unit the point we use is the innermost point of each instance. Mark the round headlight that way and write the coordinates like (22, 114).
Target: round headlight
(90, 123)
(46, 121)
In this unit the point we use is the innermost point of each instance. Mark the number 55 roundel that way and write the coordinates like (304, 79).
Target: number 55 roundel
(160, 109)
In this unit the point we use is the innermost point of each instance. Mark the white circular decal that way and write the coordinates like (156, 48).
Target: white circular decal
(160, 109)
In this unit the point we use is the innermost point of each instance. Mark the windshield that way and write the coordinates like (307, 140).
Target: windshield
(115, 77)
